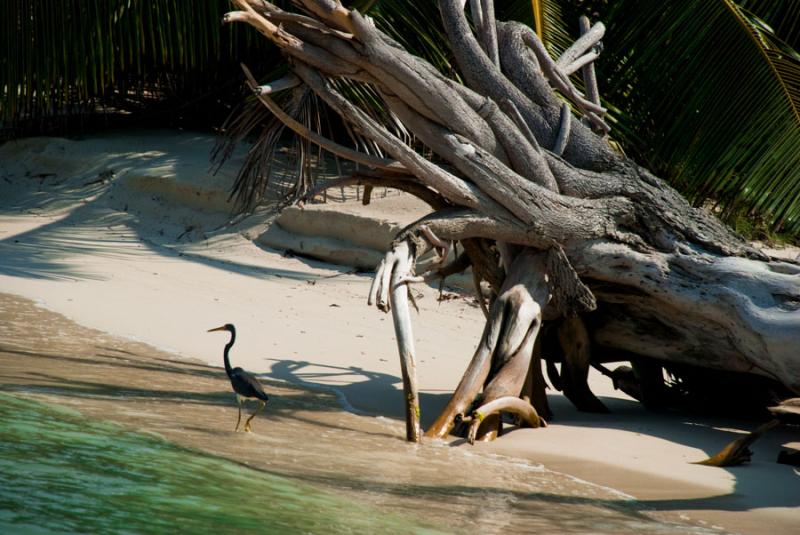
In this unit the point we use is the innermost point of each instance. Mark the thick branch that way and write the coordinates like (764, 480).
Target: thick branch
(488, 81)
(406, 184)
(451, 187)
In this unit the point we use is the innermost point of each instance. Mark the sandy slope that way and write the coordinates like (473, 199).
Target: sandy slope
(141, 254)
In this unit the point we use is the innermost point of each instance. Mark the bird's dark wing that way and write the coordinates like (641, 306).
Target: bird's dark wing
(245, 384)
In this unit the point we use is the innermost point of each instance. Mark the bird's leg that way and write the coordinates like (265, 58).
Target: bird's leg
(247, 423)
(240, 416)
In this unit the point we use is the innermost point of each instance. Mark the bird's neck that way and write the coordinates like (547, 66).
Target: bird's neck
(228, 368)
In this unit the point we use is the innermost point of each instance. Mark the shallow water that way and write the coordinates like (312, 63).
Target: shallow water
(171, 461)
(63, 473)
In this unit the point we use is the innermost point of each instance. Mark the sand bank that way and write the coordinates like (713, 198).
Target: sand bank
(125, 235)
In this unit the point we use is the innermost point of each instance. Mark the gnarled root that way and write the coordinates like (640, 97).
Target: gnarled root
(574, 340)
(534, 389)
(738, 452)
(506, 346)
(511, 404)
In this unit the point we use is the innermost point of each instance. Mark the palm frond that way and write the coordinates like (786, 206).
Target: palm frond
(705, 93)
(68, 56)
(710, 100)
(779, 17)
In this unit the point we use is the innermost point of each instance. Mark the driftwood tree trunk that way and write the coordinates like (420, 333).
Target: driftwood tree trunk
(564, 229)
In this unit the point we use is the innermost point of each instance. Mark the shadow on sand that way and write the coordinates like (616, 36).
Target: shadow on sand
(770, 484)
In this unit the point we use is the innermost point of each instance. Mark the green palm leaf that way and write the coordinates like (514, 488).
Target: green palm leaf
(67, 56)
(705, 94)
(781, 17)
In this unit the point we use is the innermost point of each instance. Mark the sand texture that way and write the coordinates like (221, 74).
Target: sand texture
(127, 235)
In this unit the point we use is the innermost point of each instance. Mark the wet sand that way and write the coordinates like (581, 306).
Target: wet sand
(304, 434)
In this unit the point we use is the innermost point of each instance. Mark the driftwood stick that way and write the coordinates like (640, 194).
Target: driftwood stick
(389, 291)
(581, 62)
(401, 316)
(589, 76)
(563, 132)
(516, 116)
(589, 38)
(287, 82)
(738, 452)
(489, 31)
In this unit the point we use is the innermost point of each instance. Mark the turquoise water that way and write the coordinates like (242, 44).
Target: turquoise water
(63, 473)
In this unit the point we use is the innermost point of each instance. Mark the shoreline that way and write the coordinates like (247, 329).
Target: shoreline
(111, 259)
(188, 404)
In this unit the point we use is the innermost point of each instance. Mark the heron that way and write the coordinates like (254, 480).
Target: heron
(244, 384)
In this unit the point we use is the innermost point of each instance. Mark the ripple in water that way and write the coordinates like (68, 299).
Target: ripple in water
(62, 473)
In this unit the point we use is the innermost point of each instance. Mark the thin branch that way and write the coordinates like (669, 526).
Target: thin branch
(328, 144)
(587, 40)
(285, 17)
(477, 15)
(516, 116)
(408, 185)
(563, 132)
(331, 11)
(287, 82)
(561, 81)
(589, 76)
(581, 62)
(489, 31)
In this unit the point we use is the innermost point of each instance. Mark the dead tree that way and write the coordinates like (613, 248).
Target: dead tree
(557, 222)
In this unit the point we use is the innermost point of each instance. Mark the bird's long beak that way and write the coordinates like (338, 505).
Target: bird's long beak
(217, 329)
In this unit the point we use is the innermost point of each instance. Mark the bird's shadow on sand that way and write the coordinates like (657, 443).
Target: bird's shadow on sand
(353, 384)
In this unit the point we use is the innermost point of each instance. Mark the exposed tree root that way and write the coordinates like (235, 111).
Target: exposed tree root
(738, 452)
(504, 353)
(575, 344)
(510, 404)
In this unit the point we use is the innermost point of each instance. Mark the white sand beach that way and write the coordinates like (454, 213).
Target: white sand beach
(127, 234)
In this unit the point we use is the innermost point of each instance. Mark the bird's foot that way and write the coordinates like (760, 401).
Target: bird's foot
(247, 428)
